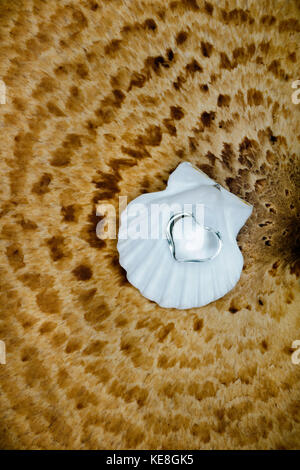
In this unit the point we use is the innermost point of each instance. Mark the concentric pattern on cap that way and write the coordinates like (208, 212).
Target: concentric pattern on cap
(105, 99)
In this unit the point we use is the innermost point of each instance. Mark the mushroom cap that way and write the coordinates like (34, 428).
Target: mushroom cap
(104, 99)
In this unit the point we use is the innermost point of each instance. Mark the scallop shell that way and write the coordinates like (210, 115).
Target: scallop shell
(146, 252)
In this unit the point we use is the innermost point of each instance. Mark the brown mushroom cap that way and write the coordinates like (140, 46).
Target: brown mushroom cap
(104, 99)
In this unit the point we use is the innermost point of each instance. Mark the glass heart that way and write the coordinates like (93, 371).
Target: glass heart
(191, 242)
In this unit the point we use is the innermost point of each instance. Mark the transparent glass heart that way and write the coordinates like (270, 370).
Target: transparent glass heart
(191, 242)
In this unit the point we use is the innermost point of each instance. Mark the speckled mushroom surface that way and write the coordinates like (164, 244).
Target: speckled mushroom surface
(104, 99)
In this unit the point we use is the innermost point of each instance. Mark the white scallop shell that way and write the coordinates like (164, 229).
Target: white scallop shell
(148, 261)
